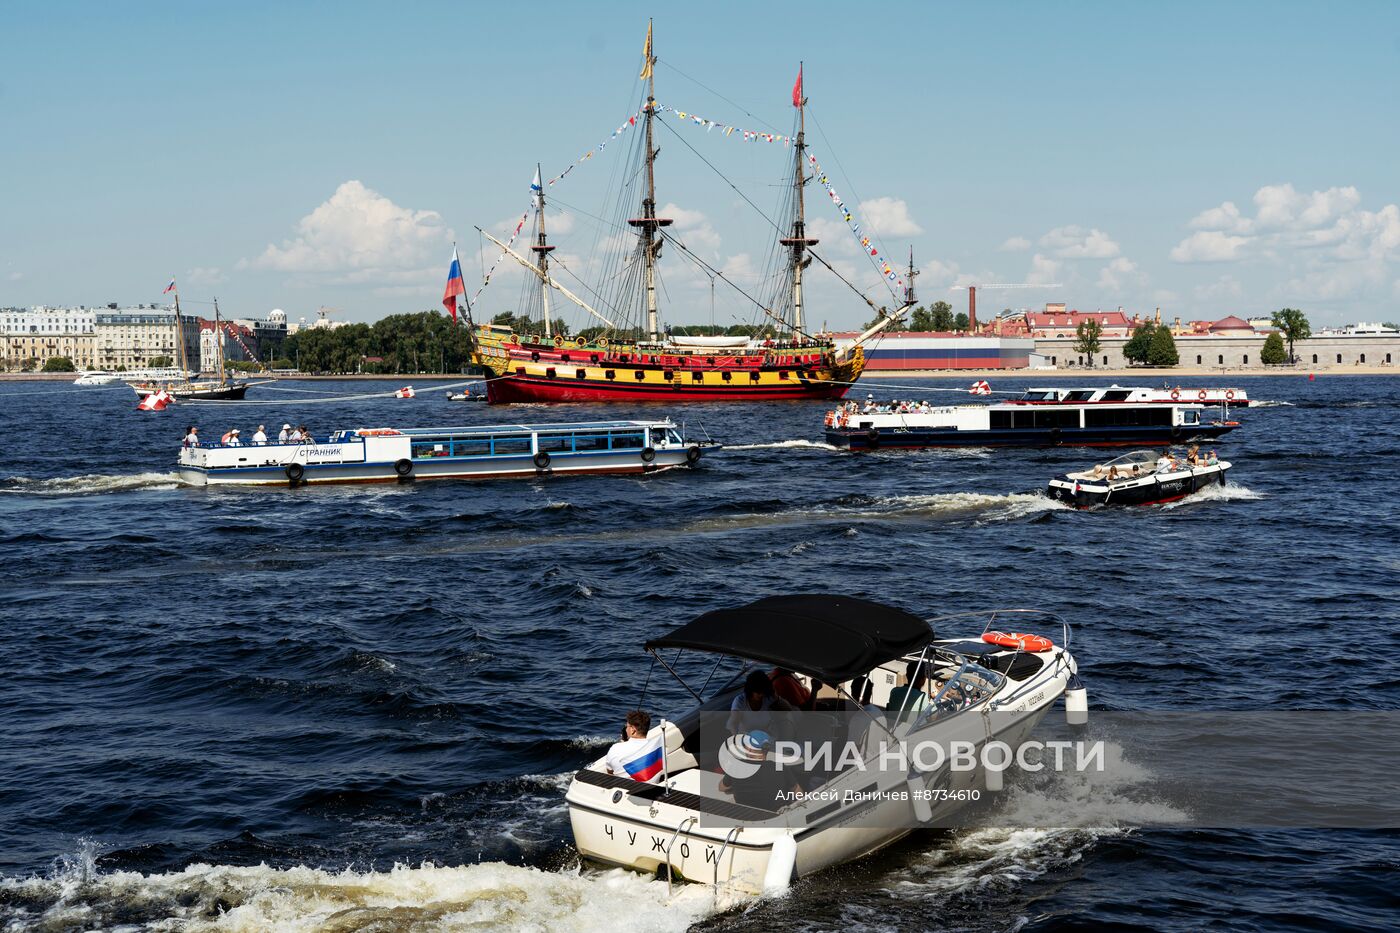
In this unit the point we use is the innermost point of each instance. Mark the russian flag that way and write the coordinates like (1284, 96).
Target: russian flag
(455, 286)
(647, 762)
(170, 287)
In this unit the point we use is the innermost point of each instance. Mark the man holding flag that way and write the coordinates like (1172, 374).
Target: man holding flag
(455, 285)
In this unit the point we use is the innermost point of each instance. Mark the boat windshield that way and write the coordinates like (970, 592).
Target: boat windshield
(972, 684)
(1136, 458)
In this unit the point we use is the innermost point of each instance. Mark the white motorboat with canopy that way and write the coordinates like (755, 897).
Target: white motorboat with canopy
(1143, 477)
(689, 819)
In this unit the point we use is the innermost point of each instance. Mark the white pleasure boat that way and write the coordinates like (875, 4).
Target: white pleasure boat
(693, 818)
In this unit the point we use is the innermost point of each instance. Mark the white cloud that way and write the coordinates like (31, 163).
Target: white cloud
(937, 276)
(889, 217)
(1209, 246)
(1016, 244)
(1225, 289)
(1073, 242)
(15, 276)
(1282, 207)
(1225, 218)
(693, 228)
(205, 275)
(1043, 271)
(1119, 275)
(358, 235)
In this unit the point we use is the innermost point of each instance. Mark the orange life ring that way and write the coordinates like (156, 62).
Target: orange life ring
(1230, 394)
(1201, 395)
(1018, 640)
(1176, 395)
(377, 432)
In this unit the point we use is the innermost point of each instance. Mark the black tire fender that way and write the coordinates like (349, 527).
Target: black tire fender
(692, 454)
(1176, 432)
(403, 468)
(1056, 437)
(295, 473)
(648, 454)
(542, 460)
(872, 437)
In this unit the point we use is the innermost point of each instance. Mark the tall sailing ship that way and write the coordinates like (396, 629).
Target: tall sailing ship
(633, 358)
(186, 389)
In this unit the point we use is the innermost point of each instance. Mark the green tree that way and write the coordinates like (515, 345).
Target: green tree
(1273, 353)
(1135, 350)
(960, 321)
(59, 364)
(1086, 338)
(1162, 350)
(1293, 324)
(160, 362)
(942, 315)
(920, 320)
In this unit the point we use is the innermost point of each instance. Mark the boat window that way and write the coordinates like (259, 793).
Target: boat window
(1056, 418)
(1023, 419)
(674, 436)
(425, 449)
(471, 447)
(658, 436)
(1116, 395)
(557, 443)
(1033, 396)
(627, 441)
(515, 444)
(1080, 395)
(1190, 417)
(591, 441)
(1001, 419)
(969, 686)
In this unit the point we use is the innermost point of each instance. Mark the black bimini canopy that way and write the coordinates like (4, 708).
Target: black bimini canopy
(832, 638)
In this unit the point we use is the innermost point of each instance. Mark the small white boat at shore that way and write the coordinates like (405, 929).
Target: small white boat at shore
(679, 807)
(96, 377)
(381, 455)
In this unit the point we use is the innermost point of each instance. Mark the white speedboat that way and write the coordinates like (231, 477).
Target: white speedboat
(369, 455)
(96, 377)
(689, 820)
(1143, 477)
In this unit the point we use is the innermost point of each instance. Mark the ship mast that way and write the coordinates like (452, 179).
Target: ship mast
(541, 250)
(909, 289)
(180, 340)
(799, 241)
(219, 341)
(648, 223)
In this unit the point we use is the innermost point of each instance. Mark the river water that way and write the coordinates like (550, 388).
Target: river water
(357, 708)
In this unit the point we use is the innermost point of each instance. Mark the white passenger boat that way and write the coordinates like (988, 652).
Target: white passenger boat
(1143, 477)
(96, 377)
(369, 455)
(687, 818)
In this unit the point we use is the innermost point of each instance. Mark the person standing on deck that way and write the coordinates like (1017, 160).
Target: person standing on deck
(260, 437)
(191, 436)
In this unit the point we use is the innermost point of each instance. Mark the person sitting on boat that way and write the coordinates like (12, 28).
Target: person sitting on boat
(787, 687)
(755, 706)
(908, 700)
(1112, 474)
(768, 785)
(1211, 459)
(231, 439)
(636, 756)
(305, 433)
(869, 404)
(1193, 455)
(285, 434)
(1166, 463)
(191, 436)
(260, 437)
(1098, 470)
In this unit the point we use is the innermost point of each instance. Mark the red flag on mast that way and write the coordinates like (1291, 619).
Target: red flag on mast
(797, 89)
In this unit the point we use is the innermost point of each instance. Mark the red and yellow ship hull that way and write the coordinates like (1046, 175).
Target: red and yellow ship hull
(574, 372)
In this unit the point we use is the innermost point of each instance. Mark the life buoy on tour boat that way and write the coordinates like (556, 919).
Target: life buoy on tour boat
(603, 342)
(377, 432)
(1229, 395)
(1176, 395)
(1201, 395)
(1020, 640)
(558, 340)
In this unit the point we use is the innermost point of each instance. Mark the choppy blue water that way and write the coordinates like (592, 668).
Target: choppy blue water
(242, 709)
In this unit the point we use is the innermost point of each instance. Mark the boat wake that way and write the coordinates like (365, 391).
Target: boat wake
(895, 508)
(1226, 493)
(485, 896)
(1271, 403)
(89, 485)
(777, 445)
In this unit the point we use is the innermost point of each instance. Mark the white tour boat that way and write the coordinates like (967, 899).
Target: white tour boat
(1134, 395)
(679, 810)
(369, 455)
(96, 377)
(1143, 477)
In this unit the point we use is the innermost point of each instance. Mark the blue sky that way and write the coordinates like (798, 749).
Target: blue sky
(1207, 158)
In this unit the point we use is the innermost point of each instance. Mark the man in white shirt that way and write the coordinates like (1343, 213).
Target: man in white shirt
(192, 437)
(636, 756)
(233, 440)
(259, 437)
(285, 434)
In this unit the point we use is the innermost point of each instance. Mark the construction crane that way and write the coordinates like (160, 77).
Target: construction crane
(972, 298)
(323, 316)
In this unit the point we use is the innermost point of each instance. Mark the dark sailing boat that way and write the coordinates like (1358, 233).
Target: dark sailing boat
(637, 360)
(207, 390)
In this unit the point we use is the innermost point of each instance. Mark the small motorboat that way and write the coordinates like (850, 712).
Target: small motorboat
(464, 397)
(680, 807)
(1143, 477)
(96, 377)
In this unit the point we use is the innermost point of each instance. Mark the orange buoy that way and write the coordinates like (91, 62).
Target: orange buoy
(1018, 640)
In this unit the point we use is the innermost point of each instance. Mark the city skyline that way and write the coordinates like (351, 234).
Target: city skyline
(1215, 162)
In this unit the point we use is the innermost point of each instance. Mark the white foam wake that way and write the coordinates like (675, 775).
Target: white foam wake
(90, 484)
(1226, 493)
(796, 442)
(487, 896)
